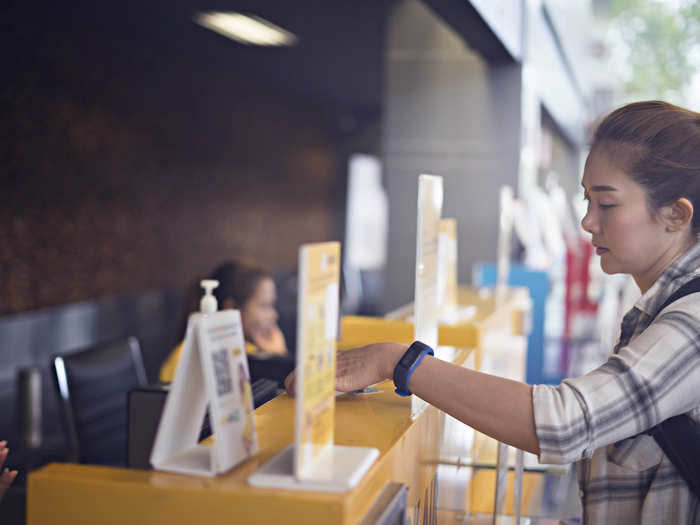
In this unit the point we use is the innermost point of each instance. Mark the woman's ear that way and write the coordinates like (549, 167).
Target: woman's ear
(678, 215)
(229, 304)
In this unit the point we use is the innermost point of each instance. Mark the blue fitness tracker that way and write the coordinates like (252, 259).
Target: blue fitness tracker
(407, 364)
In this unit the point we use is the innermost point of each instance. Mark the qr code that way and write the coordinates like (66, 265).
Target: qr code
(222, 372)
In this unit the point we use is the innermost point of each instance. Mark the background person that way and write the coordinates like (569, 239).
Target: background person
(247, 286)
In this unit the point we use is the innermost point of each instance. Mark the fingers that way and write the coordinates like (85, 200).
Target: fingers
(6, 479)
(3, 453)
(258, 332)
(7, 476)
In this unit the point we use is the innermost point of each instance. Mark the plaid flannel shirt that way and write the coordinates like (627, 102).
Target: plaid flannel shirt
(599, 419)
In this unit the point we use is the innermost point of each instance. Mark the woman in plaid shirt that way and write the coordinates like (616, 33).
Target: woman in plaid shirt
(642, 183)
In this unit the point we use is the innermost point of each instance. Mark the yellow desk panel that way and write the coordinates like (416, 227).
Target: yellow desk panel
(357, 330)
(81, 494)
(491, 313)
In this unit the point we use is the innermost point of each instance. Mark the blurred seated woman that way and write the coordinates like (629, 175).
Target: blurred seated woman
(247, 286)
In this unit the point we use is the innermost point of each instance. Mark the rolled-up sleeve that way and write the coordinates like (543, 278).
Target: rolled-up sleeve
(653, 378)
(561, 422)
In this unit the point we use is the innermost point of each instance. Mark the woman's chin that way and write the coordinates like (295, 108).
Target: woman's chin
(610, 267)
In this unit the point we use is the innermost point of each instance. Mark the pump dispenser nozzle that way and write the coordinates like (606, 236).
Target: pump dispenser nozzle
(208, 304)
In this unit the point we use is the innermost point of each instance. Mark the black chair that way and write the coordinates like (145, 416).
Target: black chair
(274, 367)
(93, 385)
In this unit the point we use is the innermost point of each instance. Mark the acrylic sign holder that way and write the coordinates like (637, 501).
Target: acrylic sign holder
(313, 461)
(213, 370)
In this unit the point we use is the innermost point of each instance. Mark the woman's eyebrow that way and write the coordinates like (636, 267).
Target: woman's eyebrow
(600, 187)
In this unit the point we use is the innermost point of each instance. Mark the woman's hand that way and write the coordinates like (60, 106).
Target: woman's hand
(360, 367)
(7, 476)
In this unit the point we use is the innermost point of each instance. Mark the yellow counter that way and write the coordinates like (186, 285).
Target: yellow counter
(77, 494)
(408, 447)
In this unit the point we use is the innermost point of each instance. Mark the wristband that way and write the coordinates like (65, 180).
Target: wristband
(407, 364)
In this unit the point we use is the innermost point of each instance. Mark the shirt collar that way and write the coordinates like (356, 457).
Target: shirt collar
(676, 275)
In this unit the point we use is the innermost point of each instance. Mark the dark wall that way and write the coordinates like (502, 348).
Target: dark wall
(451, 113)
(138, 151)
(126, 167)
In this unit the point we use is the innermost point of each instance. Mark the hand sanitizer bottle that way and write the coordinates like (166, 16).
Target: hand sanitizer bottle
(207, 305)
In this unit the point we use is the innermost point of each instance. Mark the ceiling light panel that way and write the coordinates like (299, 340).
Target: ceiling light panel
(246, 29)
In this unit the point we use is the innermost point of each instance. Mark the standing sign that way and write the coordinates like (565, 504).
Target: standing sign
(313, 461)
(213, 371)
(427, 233)
(317, 307)
(426, 292)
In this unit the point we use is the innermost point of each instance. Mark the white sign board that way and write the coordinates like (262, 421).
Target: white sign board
(212, 371)
(427, 241)
(313, 461)
(425, 301)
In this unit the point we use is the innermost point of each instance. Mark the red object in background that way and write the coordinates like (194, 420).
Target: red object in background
(577, 304)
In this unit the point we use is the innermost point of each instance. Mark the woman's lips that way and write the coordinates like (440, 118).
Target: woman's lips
(600, 251)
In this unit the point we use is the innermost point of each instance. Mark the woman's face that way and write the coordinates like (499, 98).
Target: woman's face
(626, 235)
(259, 315)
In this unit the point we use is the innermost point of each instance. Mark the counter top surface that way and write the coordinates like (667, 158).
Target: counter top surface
(408, 445)
(381, 420)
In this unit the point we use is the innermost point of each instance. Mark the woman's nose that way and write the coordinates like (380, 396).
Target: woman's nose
(588, 223)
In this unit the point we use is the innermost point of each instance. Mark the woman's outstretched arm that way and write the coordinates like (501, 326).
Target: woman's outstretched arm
(498, 407)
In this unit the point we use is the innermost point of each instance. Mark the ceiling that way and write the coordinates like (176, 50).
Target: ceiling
(338, 60)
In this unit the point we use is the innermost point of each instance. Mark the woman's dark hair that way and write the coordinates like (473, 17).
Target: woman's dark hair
(658, 145)
(237, 280)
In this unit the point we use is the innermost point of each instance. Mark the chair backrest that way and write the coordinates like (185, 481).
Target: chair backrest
(93, 385)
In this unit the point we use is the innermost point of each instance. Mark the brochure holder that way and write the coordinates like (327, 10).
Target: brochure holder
(313, 461)
(212, 371)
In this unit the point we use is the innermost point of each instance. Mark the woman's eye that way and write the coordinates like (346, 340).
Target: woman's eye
(606, 206)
